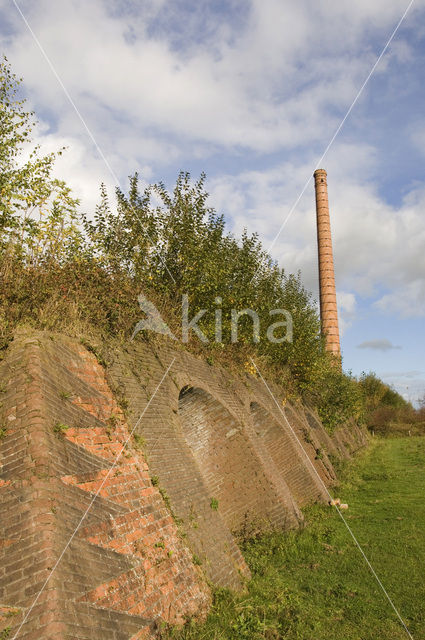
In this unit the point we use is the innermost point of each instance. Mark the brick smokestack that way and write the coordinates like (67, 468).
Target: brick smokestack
(328, 307)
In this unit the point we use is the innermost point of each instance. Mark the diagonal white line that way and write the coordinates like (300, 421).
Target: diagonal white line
(341, 124)
(336, 507)
(118, 456)
(83, 122)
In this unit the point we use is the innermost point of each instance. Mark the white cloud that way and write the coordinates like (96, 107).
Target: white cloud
(411, 384)
(254, 90)
(408, 300)
(378, 345)
(346, 302)
(401, 374)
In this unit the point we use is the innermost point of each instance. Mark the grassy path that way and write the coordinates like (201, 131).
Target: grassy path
(314, 584)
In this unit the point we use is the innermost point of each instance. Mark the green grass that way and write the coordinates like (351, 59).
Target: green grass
(314, 584)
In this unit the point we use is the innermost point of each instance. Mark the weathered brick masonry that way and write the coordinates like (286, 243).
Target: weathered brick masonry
(327, 291)
(208, 437)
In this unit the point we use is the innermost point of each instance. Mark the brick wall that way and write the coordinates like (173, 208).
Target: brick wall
(285, 450)
(228, 463)
(127, 565)
(130, 561)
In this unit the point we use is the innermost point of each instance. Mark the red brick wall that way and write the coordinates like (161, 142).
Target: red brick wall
(127, 565)
(228, 463)
(284, 447)
(131, 562)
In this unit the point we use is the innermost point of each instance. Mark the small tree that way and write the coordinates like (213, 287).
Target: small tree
(37, 211)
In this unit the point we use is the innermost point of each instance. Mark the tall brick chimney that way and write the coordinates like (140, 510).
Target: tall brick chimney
(328, 307)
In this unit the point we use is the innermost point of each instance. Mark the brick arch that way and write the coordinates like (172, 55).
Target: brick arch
(208, 381)
(229, 465)
(287, 456)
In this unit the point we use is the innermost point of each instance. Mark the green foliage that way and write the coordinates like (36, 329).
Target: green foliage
(60, 428)
(3, 432)
(377, 393)
(113, 420)
(160, 544)
(307, 436)
(386, 411)
(38, 220)
(139, 443)
(94, 350)
(65, 395)
(166, 499)
(178, 245)
(336, 394)
(214, 504)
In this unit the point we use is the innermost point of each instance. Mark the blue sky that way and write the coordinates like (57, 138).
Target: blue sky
(251, 93)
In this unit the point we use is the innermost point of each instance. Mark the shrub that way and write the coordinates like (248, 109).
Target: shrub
(385, 410)
(60, 428)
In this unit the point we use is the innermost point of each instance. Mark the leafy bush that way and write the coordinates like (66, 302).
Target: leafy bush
(38, 219)
(336, 394)
(386, 411)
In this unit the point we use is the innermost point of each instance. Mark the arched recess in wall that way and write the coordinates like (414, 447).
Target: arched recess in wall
(287, 456)
(229, 466)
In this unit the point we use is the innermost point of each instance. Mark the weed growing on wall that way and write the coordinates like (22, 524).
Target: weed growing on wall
(60, 428)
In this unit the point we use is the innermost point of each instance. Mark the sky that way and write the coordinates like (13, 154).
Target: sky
(252, 93)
